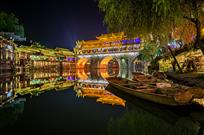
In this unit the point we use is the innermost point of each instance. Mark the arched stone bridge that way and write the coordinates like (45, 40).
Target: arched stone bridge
(110, 47)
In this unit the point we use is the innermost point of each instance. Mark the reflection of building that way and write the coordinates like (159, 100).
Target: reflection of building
(42, 86)
(7, 56)
(7, 86)
(69, 74)
(33, 84)
(44, 81)
(97, 90)
(109, 72)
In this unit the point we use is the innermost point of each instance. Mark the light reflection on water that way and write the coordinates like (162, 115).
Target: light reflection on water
(41, 81)
(126, 114)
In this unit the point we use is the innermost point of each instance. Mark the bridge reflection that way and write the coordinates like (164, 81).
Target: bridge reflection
(92, 84)
(86, 82)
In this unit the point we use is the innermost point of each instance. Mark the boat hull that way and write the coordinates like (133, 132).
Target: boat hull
(156, 98)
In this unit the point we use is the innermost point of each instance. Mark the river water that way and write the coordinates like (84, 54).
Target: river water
(80, 102)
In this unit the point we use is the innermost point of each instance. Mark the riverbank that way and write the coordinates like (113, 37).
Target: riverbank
(195, 79)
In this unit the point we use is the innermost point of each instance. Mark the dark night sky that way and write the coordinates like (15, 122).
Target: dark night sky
(57, 23)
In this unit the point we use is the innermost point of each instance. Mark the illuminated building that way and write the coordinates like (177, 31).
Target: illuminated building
(107, 43)
(13, 36)
(7, 56)
(32, 57)
(25, 58)
(107, 49)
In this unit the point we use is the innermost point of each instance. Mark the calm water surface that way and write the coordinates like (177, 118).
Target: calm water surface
(82, 103)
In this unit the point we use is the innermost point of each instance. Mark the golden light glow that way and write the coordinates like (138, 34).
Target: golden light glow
(104, 73)
(81, 63)
(103, 96)
(62, 52)
(202, 32)
(103, 41)
(81, 74)
(105, 61)
(113, 100)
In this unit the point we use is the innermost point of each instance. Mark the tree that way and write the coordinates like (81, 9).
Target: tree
(193, 11)
(158, 17)
(184, 33)
(148, 52)
(38, 45)
(9, 23)
(19, 30)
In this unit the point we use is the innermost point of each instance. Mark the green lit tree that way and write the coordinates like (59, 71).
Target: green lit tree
(37, 45)
(148, 53)
(9, 23)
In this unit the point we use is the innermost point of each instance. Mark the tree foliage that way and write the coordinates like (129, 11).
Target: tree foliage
(137, 17)
(158, 17)
(9, 23)
(185, 32)
(149, 51)
(37, 45)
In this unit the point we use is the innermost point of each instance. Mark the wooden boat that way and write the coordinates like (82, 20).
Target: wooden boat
(173, 96)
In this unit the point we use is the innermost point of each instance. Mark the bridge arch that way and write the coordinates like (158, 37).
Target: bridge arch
(81, 63)
(104, 68)
(105, 61)
(81, 74)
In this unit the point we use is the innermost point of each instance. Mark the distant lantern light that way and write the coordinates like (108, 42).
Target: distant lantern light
(138, 40)
(124, 42)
